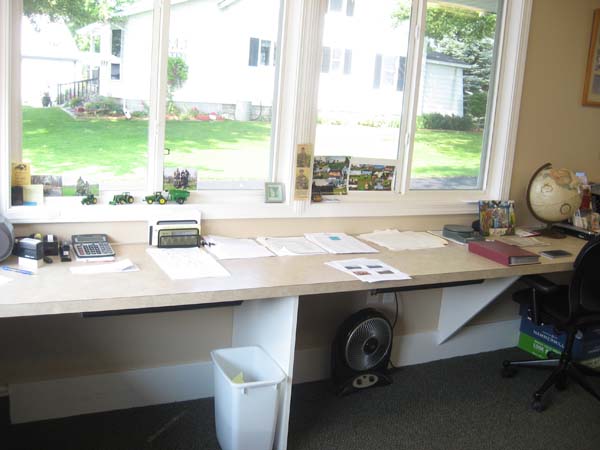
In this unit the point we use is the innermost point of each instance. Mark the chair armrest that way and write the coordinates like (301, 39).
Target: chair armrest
(539, 283)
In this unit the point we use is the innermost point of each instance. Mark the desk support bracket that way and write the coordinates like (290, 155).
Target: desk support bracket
(460, 304)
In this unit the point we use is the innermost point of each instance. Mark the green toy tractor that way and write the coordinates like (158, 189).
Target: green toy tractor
(156, 197)
(89, 199)
(122, 199)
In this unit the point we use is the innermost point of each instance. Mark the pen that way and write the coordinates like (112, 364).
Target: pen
(14, 269)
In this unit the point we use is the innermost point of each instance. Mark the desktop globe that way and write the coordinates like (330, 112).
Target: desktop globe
(553, 196)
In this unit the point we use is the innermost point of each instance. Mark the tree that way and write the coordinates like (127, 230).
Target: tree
(75, 13)
(177, 74)
(464, 34)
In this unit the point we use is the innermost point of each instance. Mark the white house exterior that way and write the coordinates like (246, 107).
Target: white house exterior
(230, 45)
(49, 57)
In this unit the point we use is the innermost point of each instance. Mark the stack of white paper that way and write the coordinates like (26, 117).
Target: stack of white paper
(186, 263)
(369, 270)
(291, 246)
(405, 240)
(339, 243)
(4, 280)
(235, 248)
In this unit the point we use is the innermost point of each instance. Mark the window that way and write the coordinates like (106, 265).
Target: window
(389, 72)
(434, 106)
(260, 52)
(115, 71)
(338, 6)
(116, 40)
(336, 60)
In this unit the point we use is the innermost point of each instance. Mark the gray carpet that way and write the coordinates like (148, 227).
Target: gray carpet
(460, 403)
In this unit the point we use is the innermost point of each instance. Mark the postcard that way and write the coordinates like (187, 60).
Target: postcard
(369, 176)
(330, 175)
(21, 174)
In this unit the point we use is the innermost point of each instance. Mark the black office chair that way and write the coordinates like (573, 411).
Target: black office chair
(569, 309)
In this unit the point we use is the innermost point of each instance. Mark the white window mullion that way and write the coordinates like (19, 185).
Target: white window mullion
(158, 94)
(299, 81)
(10, 94)
(414, 65)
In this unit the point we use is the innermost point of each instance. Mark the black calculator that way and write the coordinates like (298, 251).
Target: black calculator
(91, 246)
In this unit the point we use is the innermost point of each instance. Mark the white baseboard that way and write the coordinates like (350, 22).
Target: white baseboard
(315, 363)
(95, 393)
(105, 392)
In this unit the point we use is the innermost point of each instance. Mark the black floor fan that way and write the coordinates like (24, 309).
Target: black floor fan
(361, 352)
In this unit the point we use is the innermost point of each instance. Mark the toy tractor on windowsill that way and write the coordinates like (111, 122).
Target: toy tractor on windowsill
(174, 195)
(122, 199)
(89, 199)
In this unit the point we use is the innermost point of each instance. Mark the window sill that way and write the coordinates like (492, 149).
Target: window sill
(250, 205)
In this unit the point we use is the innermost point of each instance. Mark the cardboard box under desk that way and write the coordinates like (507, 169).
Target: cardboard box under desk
(539, 340)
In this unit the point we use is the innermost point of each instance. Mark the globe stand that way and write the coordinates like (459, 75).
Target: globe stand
(551, 233)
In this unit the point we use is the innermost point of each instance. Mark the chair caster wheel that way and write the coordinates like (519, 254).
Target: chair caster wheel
(538, 406)
(508, 372)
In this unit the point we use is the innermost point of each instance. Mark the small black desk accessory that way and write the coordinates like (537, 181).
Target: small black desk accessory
(461, 233)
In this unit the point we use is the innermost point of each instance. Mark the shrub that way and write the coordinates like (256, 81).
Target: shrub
(437, 121)
(104, 106)
(475, 104)
(76, 101)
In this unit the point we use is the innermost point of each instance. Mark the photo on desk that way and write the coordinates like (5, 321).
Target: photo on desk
(180, 178)
(330, 175)
(79, 186)
(53, 184)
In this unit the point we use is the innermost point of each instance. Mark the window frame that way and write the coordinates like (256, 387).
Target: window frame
(294, 123)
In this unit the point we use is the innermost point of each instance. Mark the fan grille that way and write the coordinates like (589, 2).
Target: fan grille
(368, 343)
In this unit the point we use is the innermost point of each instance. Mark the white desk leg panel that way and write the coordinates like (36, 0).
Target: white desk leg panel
(460, 304)
(271, 323)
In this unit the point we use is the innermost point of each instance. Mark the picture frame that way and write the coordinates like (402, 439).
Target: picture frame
(591, 86)
(274, 192)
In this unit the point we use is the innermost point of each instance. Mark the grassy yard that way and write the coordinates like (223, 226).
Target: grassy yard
(55, 143)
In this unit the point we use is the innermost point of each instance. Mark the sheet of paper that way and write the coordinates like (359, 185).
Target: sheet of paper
(404, 240)
(4, 280)
(520, 241)
(339, 243)
(234, 248)
(125, 265)
(186, 263)
(291, 246)
(369, 270)
(440, 233)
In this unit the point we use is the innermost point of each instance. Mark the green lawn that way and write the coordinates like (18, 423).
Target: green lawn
(55, 143)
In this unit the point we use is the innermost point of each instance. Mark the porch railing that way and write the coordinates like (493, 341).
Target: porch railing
(82, 88)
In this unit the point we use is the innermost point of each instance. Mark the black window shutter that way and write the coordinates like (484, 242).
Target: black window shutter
(347, 61)
(377, 76)
(253, 54)
(326, 61)
(350, 8)
(401, 73)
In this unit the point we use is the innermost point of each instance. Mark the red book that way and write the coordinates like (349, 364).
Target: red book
(509, 255)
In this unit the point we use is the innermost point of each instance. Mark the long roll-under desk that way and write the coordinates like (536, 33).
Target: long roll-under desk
(270, 289)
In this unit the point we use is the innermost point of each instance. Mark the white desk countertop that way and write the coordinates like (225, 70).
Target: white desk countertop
(55, 290)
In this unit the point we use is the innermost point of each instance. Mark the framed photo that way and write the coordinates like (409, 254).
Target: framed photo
(274, 193)
(591, 86)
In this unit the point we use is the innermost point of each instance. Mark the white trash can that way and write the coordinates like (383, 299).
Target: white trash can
(245, 412)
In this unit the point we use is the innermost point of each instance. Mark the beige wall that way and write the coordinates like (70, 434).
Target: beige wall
(553, 127)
